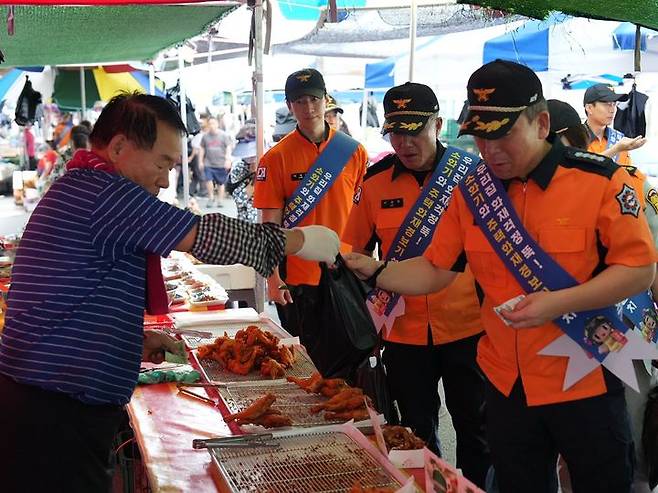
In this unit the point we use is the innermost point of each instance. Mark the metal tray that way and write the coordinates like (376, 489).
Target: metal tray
(231, 329)
(213, 372)
(322, 459)
(291, 400)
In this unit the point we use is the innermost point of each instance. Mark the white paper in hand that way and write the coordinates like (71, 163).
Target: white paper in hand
(508, 305)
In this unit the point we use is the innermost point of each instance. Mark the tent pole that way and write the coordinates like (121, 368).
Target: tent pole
(638, 46)
(83, 93)
(259, 94)
(151, 79)
(412, 37)
(183, 115)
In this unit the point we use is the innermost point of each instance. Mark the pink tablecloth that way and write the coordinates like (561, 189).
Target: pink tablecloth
(165, 422)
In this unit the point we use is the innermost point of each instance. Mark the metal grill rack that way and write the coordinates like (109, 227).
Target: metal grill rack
(291, 400)
(314, 460)
(231, 329)
(302, 367)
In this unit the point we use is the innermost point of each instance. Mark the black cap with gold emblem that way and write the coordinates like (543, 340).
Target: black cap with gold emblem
(408, 107)
(305, 82)
(498, 92)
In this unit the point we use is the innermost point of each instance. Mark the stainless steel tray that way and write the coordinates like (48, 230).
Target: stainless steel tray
(291, 400)
(213, 371)
(231, 329)
(322, 459)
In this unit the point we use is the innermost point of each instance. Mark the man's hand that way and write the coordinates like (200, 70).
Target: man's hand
(362, 265)
(628, 144)
(274, 293)
(156, 343)
(320, 244)
(534, 310)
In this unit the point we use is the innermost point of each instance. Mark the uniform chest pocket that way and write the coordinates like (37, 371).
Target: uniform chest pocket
(388, 223)
(567, 246)
(485, 264)
(563, 240)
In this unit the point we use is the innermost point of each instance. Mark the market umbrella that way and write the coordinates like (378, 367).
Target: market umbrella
(101, 84)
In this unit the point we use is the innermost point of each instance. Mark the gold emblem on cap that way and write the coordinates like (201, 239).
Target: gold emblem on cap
(303, 77)
(388, 126)
(491, 126)
(401, 103)
(411, 126)
(483, 94)
(481, 126)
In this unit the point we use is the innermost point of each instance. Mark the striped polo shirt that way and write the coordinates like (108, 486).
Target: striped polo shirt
(76, 303)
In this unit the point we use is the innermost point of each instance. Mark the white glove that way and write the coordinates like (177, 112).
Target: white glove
(320, 244)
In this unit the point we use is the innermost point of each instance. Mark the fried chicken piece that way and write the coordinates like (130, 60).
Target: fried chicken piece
(284, 355)
(399, 438)
(310, 384)
(333, 386)
(357, 488)
(245, 362)
(273, 420)
(257, 408)
(355, 414)
(270, 368)
(256, 336)
(347, 399)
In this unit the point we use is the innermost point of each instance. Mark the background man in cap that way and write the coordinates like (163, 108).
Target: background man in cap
(437, 336)
(332, 115)
(605, 245)
(279, 173)
(600, 106)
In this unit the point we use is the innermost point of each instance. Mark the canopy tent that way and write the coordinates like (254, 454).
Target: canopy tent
(376, 33)
(568, 45)
(624, 36)
(640, 12)
(95, 35)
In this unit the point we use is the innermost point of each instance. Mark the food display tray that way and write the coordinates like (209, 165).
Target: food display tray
(231, 329)
(213, 371)
(291, 400)
(319, 460)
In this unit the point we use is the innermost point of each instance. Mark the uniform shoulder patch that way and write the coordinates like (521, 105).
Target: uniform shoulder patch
(628, 202)
(261, 174)
(652, 199)
(382, 165)
(589, 161)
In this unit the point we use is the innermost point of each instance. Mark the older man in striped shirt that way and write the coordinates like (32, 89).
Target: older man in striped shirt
(73, 340)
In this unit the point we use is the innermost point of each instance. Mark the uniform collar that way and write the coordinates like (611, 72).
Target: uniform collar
(399, 168)
(544, 171)
(324, 138)
(592, 136)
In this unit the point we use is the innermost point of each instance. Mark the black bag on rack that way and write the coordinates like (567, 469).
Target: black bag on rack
(192, 124)
(344, 334)
(27, 103)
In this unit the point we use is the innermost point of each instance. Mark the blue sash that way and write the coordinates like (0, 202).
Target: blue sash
(319, 178)
(613, 136)
(600, 331)
(415, 233)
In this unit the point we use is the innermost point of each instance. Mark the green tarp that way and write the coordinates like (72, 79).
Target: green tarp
(642, 12)
(89, 35)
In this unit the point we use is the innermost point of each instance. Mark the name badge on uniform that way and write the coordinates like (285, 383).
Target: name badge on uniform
(297, 176)
(392, 203)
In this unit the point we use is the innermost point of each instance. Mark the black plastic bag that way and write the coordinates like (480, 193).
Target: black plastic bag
(27, 103)
(371, 378)
(650, 437)
(192, 124)
(345, 334)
